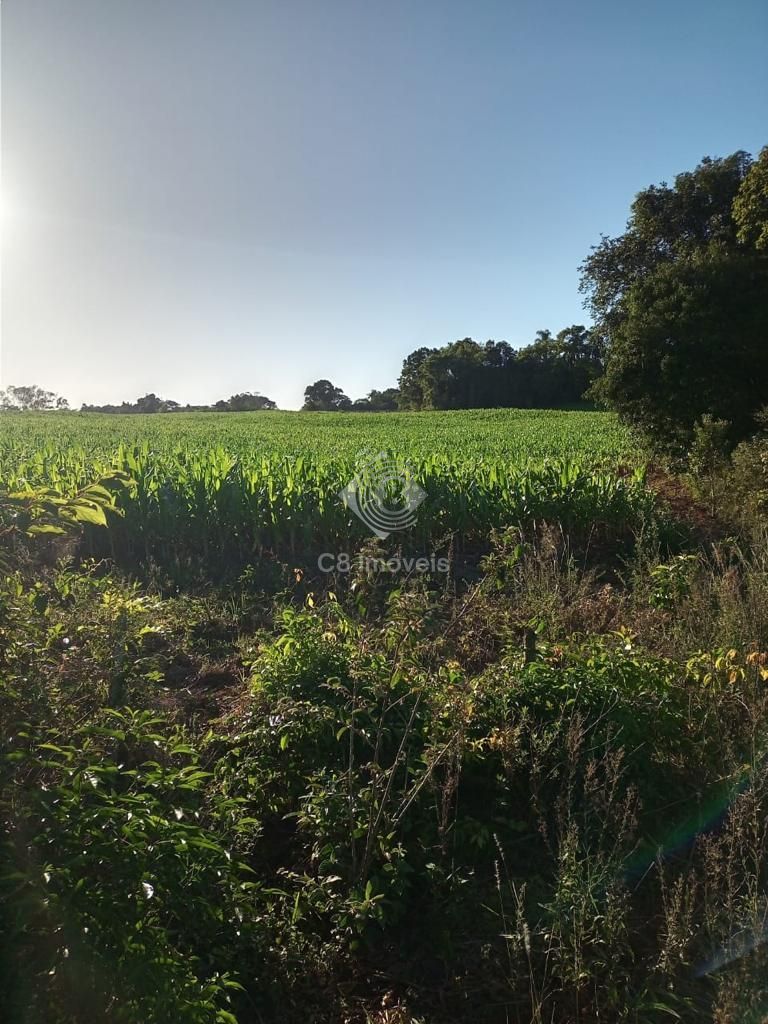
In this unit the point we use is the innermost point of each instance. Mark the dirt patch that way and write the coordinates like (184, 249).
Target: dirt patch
(202, 691)
(684, 507)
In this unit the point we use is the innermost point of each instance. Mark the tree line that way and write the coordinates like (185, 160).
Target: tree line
(247, 401)
(679, 341)
(552, 372)
(36, 399)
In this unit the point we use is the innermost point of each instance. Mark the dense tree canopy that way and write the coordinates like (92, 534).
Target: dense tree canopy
(378, 401)
(680, 302)
(322, 396)
(551, 372)
(247, 401)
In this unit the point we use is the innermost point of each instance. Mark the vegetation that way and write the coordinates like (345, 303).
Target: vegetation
(322, 396)
(553, 372)
(238, 788)
(244, 501)
(681, 303)
(263, 764)
(247, 401)
(475, 435)
(30, 398)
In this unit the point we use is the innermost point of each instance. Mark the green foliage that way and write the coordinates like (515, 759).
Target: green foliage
(750, 208)
(680, 300)
(115, 858)
(247, 401)
(670, 582)
(533, 792)
(209, 509)
(552, 372)
(378, 401)
(749, 481)
(47, 510)
(29, 398)
(322, 396)
(708, 456)
(691, 344)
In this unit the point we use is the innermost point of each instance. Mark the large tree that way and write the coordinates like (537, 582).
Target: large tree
(681, 305)
(30, 398)
(410, 382)
(323, 396)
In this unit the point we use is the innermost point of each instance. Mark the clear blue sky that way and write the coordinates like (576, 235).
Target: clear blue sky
(205, 196)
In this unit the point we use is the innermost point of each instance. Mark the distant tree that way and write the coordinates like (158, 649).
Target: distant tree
(556, 371)
(387, 400)
(378, 401)
(552, 372)
(31, 398)
(498, 354)
(410, 383)
(680, 302)
(451, 378)
(578, 346)
(249, 401)
(322, 396)
(146, 404)
(151, 403)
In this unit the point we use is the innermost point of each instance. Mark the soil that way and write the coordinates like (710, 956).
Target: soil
(684, 507)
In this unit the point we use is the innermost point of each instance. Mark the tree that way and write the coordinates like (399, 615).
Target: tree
(552, 372)
(151, 403)
(666, 225)
(681, 305)
(378, 401)
(249, 401)
(384, 401)
(451, 378)
(410, 382)
(556, 371)
(30, 398)
(750, 208)
(694, 344)
(322, 396)
(578, 347)
(146, 404)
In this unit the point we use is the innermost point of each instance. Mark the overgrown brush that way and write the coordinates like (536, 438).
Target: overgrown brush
(537, 792)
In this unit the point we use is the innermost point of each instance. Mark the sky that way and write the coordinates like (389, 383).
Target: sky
(201, 197)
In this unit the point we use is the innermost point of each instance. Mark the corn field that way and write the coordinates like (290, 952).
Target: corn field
(221, 490)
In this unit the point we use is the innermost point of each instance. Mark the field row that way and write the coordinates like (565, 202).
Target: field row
(510, 434)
